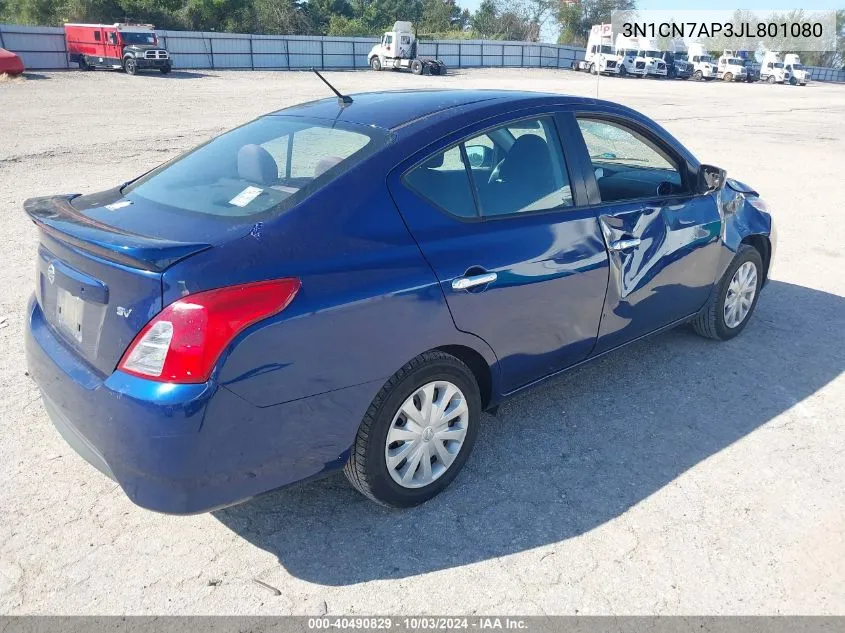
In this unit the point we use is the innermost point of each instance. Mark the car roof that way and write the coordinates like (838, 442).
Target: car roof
(393, 109)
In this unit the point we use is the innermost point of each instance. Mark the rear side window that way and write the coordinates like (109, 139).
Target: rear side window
(270, 164)
(97, 35)
(512, 169)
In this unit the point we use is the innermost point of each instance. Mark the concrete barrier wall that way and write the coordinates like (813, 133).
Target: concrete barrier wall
(43, 48)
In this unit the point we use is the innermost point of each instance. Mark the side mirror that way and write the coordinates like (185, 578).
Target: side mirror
(711, 178)
(479, 156)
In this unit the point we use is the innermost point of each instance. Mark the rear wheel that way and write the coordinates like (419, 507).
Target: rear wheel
(416, 67)
(734, 298)
(375, 63)
(418, 432)
(84, 65)
(130, 66)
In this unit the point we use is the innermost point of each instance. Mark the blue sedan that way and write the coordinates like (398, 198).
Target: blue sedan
(348, 285)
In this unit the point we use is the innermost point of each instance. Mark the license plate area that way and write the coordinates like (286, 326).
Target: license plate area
(70, 311)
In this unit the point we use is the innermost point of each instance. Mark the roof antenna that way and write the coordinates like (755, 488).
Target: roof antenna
(342, 100)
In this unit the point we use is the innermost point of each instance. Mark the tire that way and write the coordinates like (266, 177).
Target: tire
(698, 75)
(84, 65)
(417, 67)
(792, 81)
(728, 77)
(770, 79)
(165, 69)
(367, 468)
(593, 69)
(711, 321)
(375, 63)
(622, 70)
(130, 66)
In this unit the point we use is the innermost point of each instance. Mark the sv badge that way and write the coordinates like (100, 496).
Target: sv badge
(124, 312)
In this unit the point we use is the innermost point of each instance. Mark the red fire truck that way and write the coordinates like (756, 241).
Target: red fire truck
(132, 47)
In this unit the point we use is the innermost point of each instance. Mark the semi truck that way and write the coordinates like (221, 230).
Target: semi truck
(640, 57)
(677, 65)
(703, 66)
(798, 74)
(731, 67)
(398, 51)
(772, 69)
(600, 56)
(131, 47)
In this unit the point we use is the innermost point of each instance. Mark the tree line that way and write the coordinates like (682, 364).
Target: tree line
(523, 20)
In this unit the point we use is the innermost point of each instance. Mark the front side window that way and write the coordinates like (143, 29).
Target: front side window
(628, 166)
(512, 169)
(97, 35)
(272, 163)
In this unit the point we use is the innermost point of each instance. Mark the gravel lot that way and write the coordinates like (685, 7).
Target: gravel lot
(678, 476)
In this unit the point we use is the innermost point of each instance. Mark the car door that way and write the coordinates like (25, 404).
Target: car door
(521, 263)
(662, 236)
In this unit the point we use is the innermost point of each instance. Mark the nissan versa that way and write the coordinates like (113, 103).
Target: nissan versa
(349, 285)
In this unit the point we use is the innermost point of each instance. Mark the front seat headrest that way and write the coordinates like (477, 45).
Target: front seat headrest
(256, 164)
(528, 159)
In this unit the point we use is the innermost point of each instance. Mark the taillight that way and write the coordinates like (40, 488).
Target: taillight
(183, 342)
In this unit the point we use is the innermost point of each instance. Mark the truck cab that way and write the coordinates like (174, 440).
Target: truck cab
(798, 74)
(132, 47)
(731, 67)
(703, 66)
(600, 56)
(397, 50)
(773, 70)
(627, 50)
(654, 63)
(677, 64)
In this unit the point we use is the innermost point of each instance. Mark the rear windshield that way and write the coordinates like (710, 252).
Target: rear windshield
(270, 164)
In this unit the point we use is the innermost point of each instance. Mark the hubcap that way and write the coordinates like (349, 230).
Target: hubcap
(740, 295)
(426, 434)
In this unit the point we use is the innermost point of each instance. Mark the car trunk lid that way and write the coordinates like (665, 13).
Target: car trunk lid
(98, 284)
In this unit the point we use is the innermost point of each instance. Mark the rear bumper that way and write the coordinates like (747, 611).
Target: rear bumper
(184, 449)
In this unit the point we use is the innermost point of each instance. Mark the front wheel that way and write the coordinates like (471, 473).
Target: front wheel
(698, 75)
(375, 63)
(733, 300)
(165, 69)
(622, 71)
(770, 79)
(130, 66)
(728, 77)
(418, 432)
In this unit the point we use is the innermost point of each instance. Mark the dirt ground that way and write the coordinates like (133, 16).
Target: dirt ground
(678, 476)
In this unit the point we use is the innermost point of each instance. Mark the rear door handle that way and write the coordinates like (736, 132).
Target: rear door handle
(465, 283)
(624, 245)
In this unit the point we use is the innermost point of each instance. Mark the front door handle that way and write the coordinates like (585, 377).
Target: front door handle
(465, 283)
(626, 244)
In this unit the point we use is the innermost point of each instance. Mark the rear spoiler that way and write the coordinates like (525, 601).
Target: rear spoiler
(58, 218)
